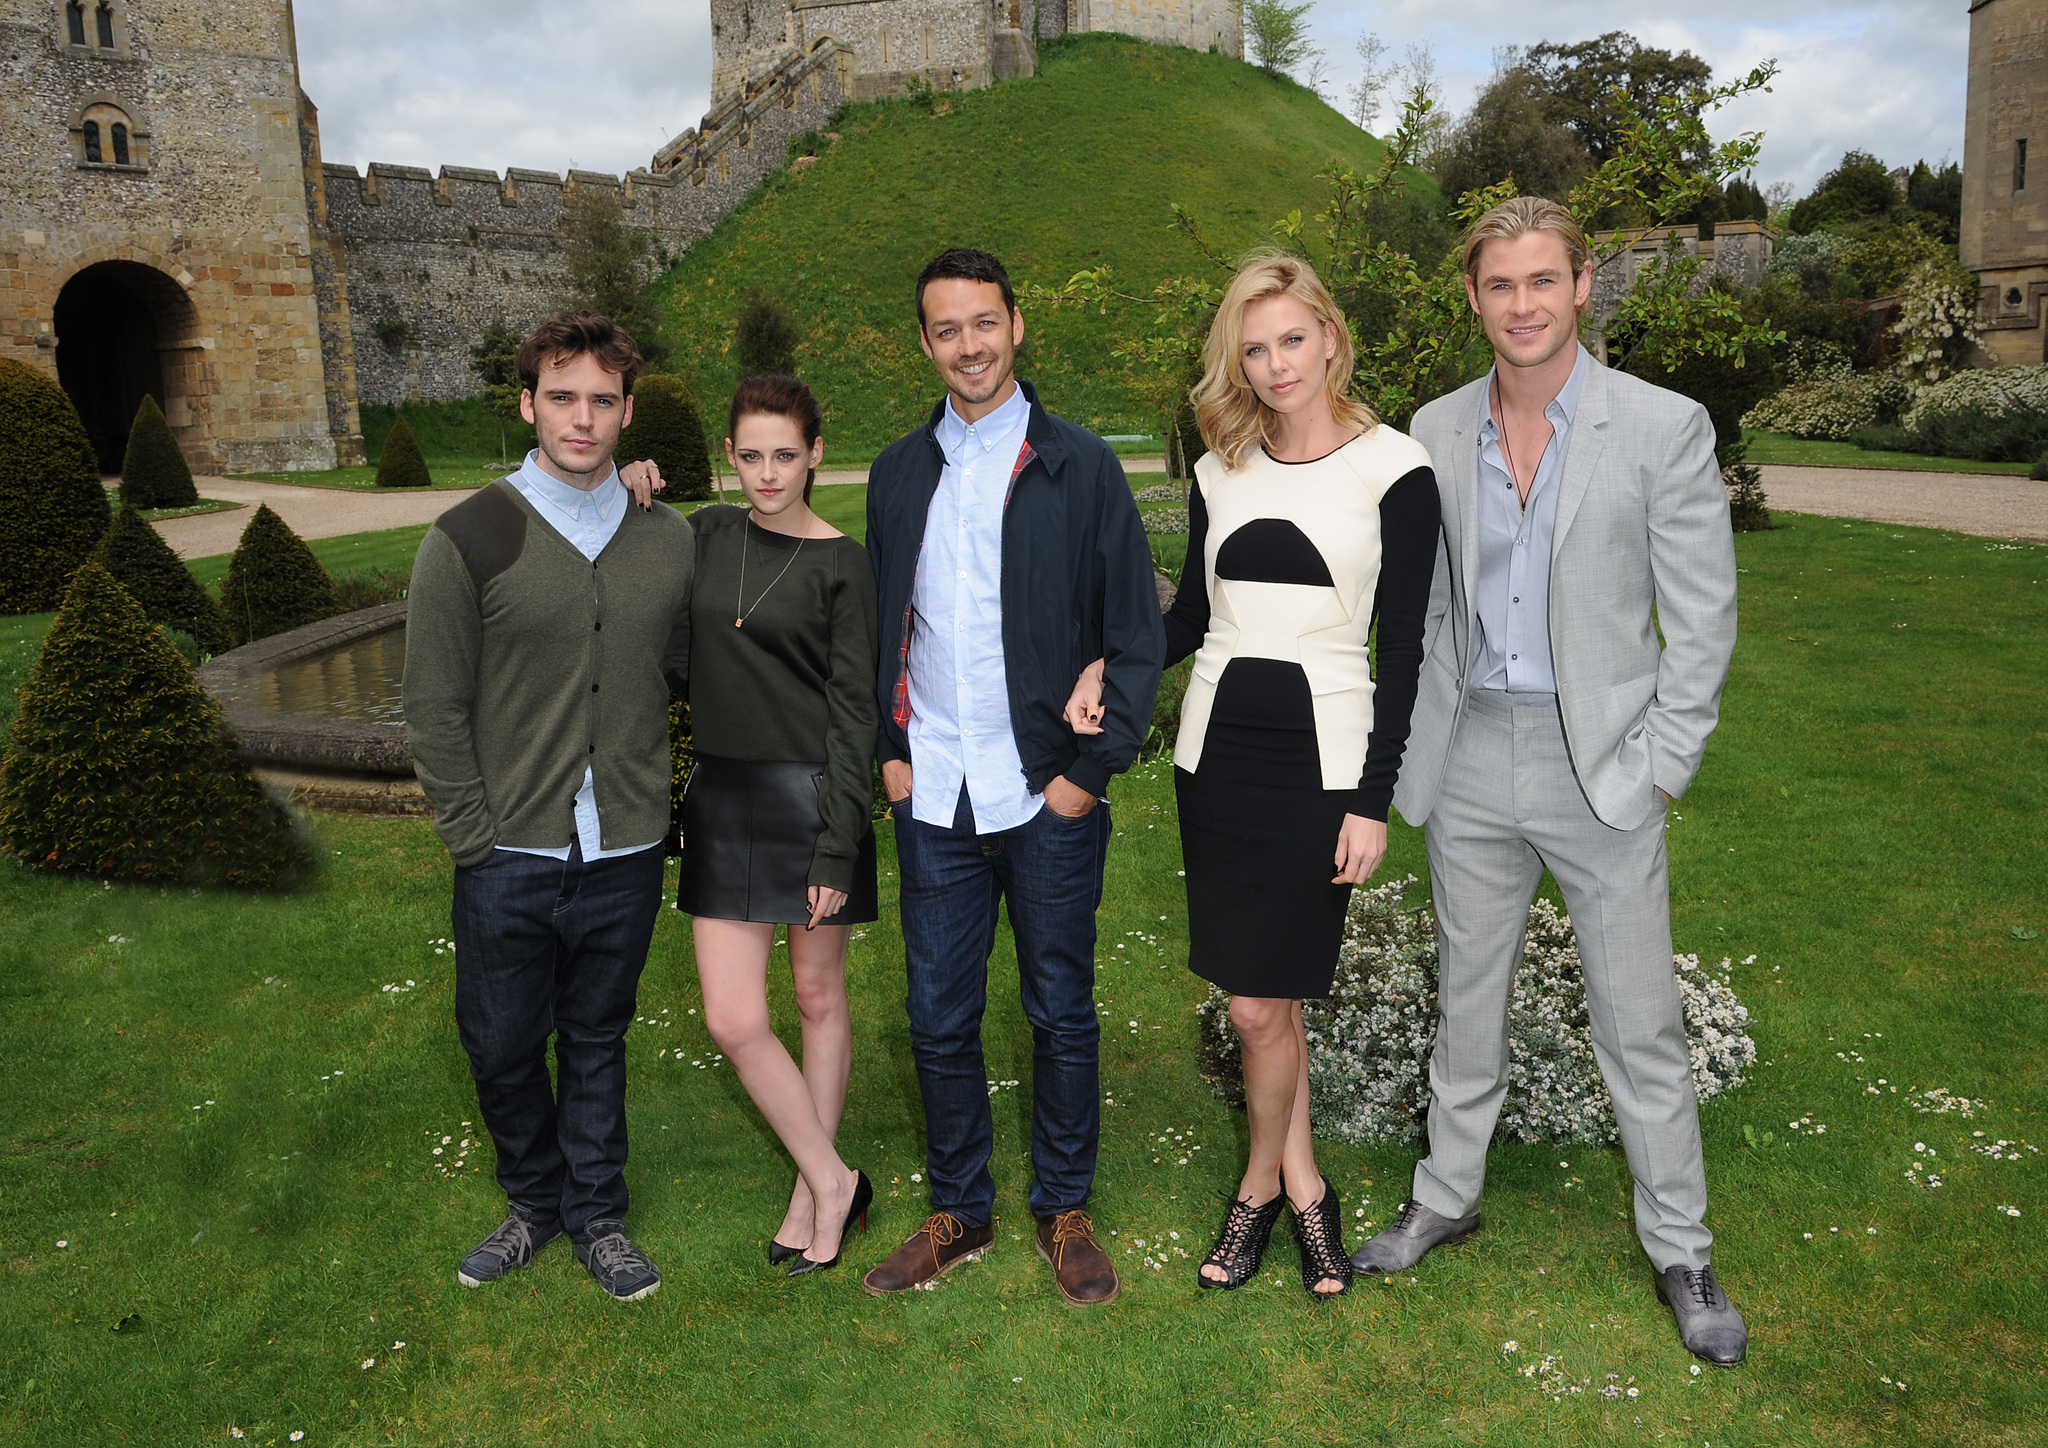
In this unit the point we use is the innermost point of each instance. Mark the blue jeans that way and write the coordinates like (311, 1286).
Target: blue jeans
(954, 881)
(554, 948)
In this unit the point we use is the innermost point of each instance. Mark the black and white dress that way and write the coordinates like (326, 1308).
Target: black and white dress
(1286, 729)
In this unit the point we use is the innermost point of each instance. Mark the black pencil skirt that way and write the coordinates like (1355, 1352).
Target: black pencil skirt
(1259, 839)
(750, 830)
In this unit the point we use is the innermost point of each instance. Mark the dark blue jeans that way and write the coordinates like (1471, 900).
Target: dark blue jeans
(1049, 870)
(554, 948)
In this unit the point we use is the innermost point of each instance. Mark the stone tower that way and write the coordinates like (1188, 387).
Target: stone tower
(159, 232)
(2005, 176)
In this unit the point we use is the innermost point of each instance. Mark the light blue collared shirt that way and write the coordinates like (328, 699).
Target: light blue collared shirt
(1511, 646)
(959, 687)
(588, 520)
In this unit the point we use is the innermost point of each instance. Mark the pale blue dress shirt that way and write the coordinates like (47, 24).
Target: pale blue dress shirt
(1511, 646)
(959, 687)
(588, 520)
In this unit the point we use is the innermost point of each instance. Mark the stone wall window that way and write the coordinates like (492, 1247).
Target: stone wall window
(108, 136)
(2019, 165)
(120, 144)
(74, 20)
(105, 15)
(92, 143)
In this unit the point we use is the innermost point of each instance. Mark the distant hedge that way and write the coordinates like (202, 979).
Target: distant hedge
(121, 766)
(274, 582)
(141, 562)
(400, 465)
(668, 428)
(153, 472)
(52, 507)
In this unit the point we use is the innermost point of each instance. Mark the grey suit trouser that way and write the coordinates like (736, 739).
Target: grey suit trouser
(1510, 805)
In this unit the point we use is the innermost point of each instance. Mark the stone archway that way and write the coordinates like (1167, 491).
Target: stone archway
(116, 321)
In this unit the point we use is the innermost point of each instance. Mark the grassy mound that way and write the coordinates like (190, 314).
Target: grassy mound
(1075, 168)
(153, 470)
(120, 765)
(52, 507)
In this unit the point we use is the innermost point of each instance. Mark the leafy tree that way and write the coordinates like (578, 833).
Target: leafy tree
(764, 336)
(1599, 89)
(120, 765)
(274, 582)
(52, 507)
(1859, 188)
(1368, 92)
(668, 428)
(1937, 198)
(153, 472)
(607, 267)
(1508, 133)
(495, 360)
(400, 464)
(1668, 316)
(1279, 34)
(141, 562)
(1744, 202)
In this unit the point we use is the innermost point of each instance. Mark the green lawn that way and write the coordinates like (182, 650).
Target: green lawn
(1140, 127)
(190, 510)
(446, 472)
(1878, 777)
(1778, 447)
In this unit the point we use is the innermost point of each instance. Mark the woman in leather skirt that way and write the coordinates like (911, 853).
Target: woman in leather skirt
(776, 815)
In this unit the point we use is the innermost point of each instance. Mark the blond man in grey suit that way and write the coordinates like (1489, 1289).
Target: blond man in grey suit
(1552, 728)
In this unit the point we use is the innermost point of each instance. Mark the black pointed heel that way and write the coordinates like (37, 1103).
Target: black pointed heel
(779, 1254)
(856, 1218)
(1241, 1245)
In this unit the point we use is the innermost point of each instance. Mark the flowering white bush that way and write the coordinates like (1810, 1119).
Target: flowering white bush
(1829, 400)
(1993, 391)
(1369, 1043)
(1937, 325)
(1167, 520)
(1161, 493)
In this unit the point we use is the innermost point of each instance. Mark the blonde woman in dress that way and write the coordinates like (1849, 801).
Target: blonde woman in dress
(1309, 520)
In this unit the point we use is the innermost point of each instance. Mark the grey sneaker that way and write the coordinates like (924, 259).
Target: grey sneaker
(1416, 1229)
(1708, 1324)
(619, 1267)
(508, 1249)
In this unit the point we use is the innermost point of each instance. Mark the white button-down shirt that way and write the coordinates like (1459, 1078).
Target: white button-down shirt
(588, 520)
(959, 687)
(1511, 646)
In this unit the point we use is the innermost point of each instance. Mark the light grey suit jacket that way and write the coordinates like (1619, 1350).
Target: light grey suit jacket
(1642, 525)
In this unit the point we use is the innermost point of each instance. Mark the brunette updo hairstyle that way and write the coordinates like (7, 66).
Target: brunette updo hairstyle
(778, 396)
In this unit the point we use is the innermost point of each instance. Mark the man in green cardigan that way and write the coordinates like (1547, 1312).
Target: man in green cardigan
(549, 622)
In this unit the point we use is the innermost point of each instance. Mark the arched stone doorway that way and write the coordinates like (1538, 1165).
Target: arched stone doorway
(115, 322)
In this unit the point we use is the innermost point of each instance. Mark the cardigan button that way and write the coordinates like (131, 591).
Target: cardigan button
(593, 688)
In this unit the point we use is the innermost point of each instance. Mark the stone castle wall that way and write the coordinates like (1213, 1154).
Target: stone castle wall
(1737, 251)
(2005, 192)
(433, 259)
(207, 223)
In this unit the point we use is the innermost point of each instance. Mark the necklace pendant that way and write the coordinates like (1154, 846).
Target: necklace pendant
(739, 623)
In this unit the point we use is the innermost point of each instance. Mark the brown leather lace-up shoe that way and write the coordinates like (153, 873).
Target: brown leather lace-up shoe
(1082, 1269)
(940, 1245)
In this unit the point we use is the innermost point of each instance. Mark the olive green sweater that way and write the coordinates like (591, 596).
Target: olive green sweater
(797, 683)
(525, 663)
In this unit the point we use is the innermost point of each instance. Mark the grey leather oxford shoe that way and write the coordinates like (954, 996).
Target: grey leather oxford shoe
(1708, 1324)
(1416, 1229)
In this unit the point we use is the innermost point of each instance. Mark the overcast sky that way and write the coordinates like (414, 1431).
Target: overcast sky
(502, 83)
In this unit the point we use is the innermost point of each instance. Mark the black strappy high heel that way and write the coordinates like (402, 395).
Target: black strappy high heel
(1241, 1245)
(1320, 1231)
(856, 1217)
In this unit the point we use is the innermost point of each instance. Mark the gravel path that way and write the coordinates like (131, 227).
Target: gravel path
(309, 512)
(1991, 505)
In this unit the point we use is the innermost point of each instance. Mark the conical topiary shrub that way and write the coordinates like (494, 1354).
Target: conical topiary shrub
(120, 765)
(141, 562)
(401, 465)
(52, 507)
(153, 471)
(274, 582)
(668, 429)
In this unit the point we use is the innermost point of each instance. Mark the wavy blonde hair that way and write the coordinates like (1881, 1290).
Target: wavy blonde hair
(1227, 409)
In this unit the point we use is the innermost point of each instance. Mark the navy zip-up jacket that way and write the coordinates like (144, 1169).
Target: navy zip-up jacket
(1077, 586)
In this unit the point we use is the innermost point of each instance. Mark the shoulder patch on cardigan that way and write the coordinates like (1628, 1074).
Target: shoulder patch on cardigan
(488, 530)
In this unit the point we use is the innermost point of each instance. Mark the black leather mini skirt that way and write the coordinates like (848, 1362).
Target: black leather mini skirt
(750, 830)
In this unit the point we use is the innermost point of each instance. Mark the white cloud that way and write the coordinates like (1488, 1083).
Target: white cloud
(601, 85)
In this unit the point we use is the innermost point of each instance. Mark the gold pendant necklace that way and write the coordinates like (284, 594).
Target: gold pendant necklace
(742, 612)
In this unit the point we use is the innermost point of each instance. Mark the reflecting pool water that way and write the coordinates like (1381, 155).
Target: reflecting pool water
(359, 680)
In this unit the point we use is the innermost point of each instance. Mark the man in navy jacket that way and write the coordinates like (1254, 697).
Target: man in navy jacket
(1008, 553)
